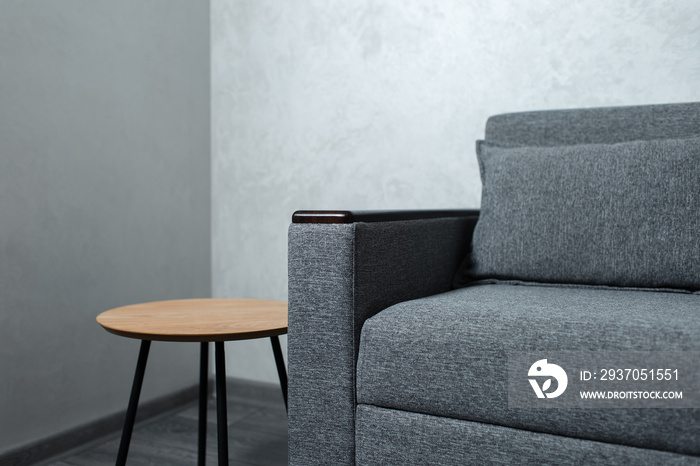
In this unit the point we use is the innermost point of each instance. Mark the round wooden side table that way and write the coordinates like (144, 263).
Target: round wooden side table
(197, 320)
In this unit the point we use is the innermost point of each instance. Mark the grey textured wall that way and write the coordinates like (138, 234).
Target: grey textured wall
(104, 199)
(376, 104)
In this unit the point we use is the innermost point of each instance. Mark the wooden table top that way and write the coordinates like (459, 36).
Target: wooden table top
(198, 320)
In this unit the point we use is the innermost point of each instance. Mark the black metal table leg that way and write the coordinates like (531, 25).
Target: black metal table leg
(133, 403)
(281, 370)
(203, 394)
(221, 421)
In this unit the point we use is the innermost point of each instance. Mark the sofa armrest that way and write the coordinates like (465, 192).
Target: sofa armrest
(344, 267)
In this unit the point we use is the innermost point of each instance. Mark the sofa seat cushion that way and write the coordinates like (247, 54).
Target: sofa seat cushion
(446, 355)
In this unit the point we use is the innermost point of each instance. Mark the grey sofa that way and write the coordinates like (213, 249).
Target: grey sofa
(588, 239)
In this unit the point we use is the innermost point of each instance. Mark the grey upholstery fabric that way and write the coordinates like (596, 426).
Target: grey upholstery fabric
(446, 355)
(625, 214)
(605, 125)
(339, 275)
(320, 344)
(389, 437)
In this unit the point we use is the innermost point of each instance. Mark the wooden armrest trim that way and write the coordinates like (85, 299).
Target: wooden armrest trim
(353, 216)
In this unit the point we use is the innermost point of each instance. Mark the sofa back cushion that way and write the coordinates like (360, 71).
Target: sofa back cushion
(604, 125)
(575, 199)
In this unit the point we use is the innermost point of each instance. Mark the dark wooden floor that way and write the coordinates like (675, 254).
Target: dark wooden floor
(257, 428)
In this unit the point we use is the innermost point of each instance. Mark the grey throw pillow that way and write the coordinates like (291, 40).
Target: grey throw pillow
(625, 214)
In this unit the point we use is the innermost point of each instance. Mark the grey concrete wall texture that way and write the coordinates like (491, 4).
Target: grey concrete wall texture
(104, 200)
(375, 105)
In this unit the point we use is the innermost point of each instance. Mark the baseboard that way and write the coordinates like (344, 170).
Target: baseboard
(62, 442)
(253, 390)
